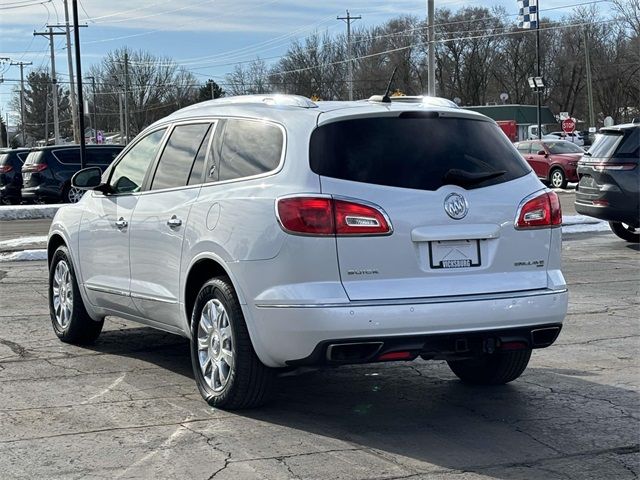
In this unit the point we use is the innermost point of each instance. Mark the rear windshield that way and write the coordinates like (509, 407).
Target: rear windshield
(418, 153)
(563, 147)
(35, 157)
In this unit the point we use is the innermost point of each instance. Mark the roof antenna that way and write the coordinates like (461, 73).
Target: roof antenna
(385, 97)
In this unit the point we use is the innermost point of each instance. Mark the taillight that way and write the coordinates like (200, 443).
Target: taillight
(601, 167)
(329, 216)
(5, 168)
(539, 212)
(34, 167)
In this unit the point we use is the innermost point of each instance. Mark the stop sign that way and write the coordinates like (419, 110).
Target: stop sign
(568, 125)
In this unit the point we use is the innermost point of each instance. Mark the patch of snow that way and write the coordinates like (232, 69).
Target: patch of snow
(18, 242)
(40, 254)
(589, 227)
(579, 220)
(27, 212)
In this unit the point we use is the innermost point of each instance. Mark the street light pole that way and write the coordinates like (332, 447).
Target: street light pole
(76, 35)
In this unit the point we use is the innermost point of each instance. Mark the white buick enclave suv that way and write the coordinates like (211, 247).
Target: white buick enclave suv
(275, 232)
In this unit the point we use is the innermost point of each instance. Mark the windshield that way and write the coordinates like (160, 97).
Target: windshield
(563, 147)
(415, 151)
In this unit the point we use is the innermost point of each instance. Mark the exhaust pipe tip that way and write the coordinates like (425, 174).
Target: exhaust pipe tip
(543, 337)
(353, 352)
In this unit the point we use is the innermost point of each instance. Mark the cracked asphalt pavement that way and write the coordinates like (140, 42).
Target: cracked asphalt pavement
(127, 407)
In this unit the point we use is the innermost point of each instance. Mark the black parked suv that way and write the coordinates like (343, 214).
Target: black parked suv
(11, 161)
(609, 180)
(47, 173)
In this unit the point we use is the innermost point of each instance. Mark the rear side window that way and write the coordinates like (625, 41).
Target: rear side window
(22, 156)
(414, 152)
(69, 155)
(249, 148)
(101, 156)
(178, 156)
(630, 145)
(524, 148)
(563, 147)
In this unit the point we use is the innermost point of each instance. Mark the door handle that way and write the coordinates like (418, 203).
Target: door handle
(174, 222)
(121, 223)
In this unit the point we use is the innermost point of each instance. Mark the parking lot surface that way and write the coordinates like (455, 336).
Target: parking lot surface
(128, 407)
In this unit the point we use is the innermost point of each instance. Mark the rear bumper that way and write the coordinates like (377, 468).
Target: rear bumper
(290, 334)
(10, 191)
(609, 213)
(41, 192)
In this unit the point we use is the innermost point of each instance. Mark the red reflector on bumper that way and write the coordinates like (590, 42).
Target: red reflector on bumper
(513, 346)
(396, 356)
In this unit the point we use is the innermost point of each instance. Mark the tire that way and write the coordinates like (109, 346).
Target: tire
(625, 232)
(231, 376)
(69, 317)
(71, 194)
(557, 178)
(492, 369)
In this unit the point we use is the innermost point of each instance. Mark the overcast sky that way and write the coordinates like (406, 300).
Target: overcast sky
(205, 36)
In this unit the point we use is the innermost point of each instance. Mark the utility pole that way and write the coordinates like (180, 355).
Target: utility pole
(95, 115)
(592, 119)
(72, 88)
(46, 119)
(76, 37)
(212, 94)
(22, 65)
(348, 19)
(431, 57)
(54, 81)
(539, 93)
(126, 96)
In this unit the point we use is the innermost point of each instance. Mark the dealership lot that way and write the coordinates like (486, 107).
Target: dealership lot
(128, 407)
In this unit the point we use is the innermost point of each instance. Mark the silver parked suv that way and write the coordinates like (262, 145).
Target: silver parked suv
(276, 232)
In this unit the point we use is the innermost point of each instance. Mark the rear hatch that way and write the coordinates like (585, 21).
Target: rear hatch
(414, 166)
(609, 170)
(34, 168)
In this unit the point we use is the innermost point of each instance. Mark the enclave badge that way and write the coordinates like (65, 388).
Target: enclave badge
(456, 206)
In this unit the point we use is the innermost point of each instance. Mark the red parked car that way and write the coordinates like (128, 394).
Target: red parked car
(554, 161)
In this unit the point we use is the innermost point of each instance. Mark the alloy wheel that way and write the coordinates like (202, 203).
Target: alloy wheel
(74, 195)
(62, 294)
(215, 345)
(557, 179)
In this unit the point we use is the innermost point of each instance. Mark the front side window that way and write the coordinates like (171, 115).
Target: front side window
(177, 159)
(129, 173)
(536, 147)
(249, 148)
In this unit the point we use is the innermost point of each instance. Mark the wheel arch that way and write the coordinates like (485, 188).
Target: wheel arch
(201, 271)
(55, 241)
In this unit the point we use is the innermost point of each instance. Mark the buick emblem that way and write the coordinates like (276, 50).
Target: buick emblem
(456, 206)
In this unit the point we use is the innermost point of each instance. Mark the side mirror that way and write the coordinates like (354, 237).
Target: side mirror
(89, 179)
(541, 152)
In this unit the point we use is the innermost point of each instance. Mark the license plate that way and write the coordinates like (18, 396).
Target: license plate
(449, 254)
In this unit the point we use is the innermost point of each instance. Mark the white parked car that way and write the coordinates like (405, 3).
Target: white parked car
(276, 232)
(573, 137)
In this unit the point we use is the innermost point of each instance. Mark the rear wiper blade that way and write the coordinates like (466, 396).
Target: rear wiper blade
(463, 178)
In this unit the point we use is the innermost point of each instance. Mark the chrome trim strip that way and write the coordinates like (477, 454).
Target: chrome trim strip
(152, 298)
(423, 301)
(101, 289)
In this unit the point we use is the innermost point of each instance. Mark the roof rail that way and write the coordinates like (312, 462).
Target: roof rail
(420, 99)
(268, 99)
